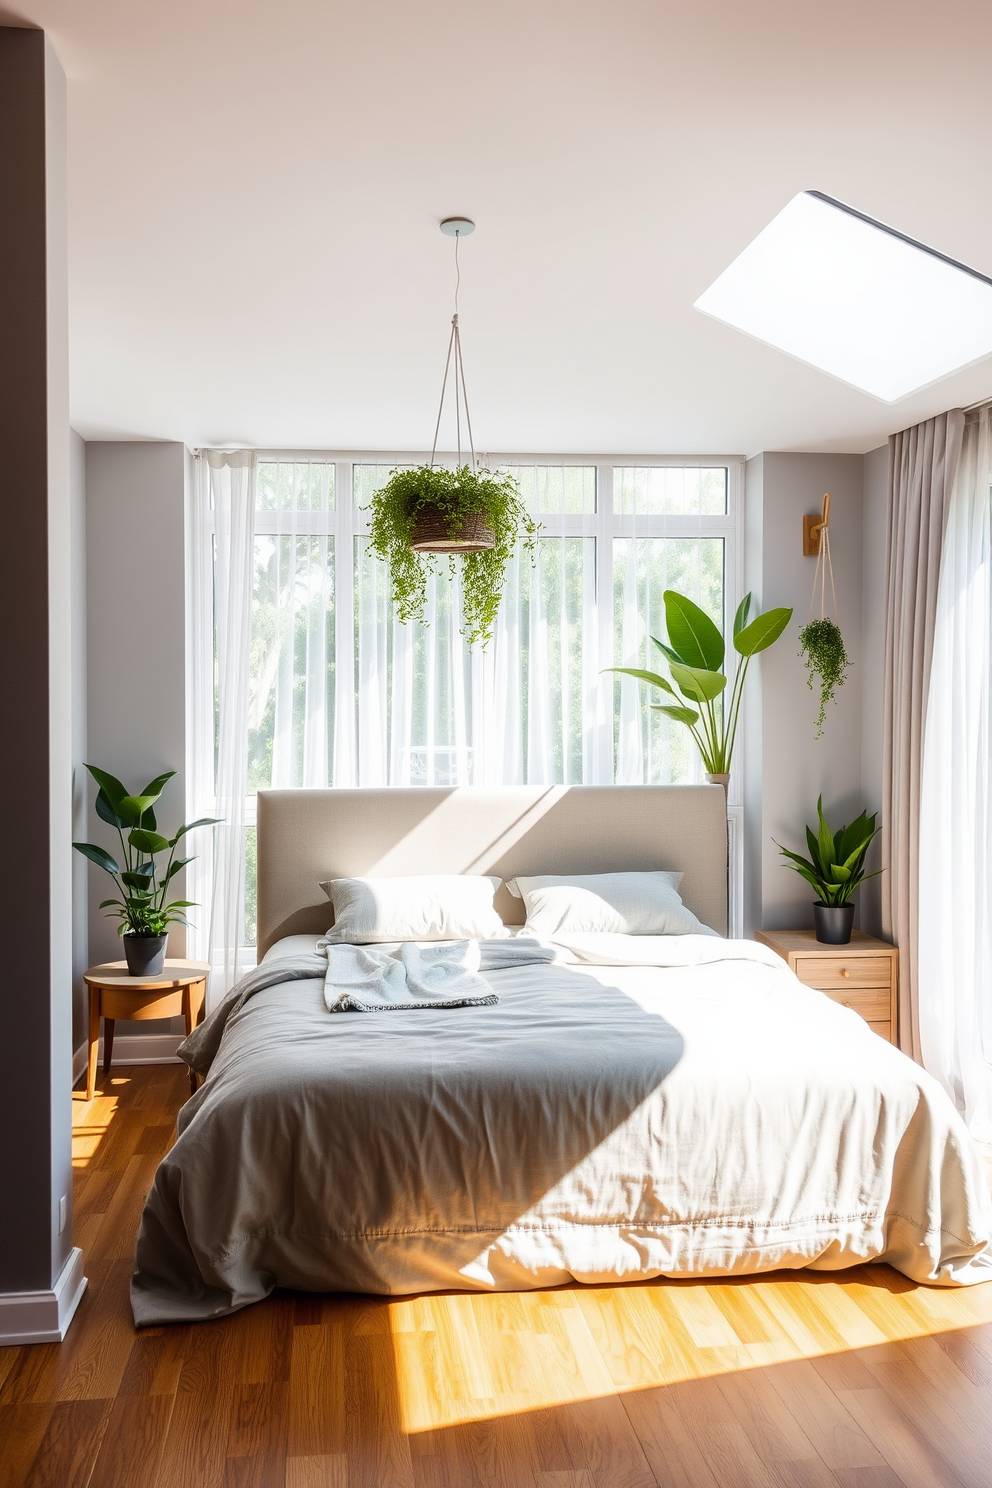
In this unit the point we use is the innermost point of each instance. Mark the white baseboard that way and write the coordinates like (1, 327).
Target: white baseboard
(43, 1317)
(134, 1048)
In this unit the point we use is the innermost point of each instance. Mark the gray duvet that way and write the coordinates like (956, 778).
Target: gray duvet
(653, 1107)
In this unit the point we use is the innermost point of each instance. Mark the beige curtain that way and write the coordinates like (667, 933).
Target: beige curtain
(922, 462)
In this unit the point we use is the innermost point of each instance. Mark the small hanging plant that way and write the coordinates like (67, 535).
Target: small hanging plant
(822, 648)
(450, 500)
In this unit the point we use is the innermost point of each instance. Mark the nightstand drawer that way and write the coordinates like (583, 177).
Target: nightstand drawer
(830, 972)
(871, 1002)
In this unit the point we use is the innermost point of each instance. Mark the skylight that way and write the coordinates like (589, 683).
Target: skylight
(856, 299)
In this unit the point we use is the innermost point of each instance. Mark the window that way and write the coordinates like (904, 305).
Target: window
(341, 693)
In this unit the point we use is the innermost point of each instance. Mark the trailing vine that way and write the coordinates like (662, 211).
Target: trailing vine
(457, 494)
(822, 648)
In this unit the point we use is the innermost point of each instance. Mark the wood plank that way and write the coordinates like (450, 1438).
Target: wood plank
(131, 1449)
(70, 1445)
(905, 1449)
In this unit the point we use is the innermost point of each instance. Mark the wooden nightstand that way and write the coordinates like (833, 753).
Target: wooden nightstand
(179, 992)
(863, 975)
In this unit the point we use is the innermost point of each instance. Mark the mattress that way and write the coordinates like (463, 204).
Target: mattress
(643, 1107)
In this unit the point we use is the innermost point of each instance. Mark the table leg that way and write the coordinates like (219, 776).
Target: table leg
(193, 998)
(108, 1044)
(94, 1042)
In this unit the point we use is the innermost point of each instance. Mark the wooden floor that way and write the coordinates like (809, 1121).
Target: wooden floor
(793, 1380)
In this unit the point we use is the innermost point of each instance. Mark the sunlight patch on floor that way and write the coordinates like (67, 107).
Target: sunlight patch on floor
(478, 1356)
(90, 1123)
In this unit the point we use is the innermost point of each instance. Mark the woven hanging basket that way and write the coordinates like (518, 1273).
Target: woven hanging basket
(430, 535)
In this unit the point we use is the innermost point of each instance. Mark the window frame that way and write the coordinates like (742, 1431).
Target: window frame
(344, 523)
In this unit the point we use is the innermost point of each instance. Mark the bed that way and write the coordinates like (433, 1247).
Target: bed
(642, 1106)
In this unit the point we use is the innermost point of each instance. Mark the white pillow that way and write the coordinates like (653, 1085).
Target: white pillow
(438, 906)
(624, 903)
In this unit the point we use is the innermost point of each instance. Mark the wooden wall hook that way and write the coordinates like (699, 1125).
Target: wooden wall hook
(813, 528)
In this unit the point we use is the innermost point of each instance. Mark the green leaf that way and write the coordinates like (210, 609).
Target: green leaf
(762, 632)
(110, 784)
(150, 842)
(825, 838)
(802, 866)
(740, 619)
(98, 856)
(681, 715)
(181, 904)
(177, 864)
(698, 683)
(667, 650)
(105, 810)
(132, 808)
(652, 677)
(155, 787)
(203, 821)
(692, 633)
(135, 880)
(148, 820)
(105, 903)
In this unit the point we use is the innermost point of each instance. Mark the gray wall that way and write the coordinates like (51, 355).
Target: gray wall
(876, 491)
(785, 767)
(135, 647)
(35, 669)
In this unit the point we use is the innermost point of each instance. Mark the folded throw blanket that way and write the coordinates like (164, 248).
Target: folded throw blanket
(200, 1048)
(373, 979)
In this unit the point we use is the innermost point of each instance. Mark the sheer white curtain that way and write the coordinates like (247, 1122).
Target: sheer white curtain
(430, 711)
(221, 602)
(291, 699)
(955, 870)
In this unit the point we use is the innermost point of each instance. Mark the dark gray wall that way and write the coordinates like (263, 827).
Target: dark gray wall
(135, 648)
(80, 829)
(35, 668)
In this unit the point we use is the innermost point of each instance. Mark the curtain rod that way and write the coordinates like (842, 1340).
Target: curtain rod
(982, 403)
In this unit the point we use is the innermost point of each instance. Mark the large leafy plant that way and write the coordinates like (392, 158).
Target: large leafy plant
(836, 862)
(456, 494)
(695, 653)
(143, 907)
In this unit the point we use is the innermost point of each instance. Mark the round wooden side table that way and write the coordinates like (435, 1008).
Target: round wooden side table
(180, 990)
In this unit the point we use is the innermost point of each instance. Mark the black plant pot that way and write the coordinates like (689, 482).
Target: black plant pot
(833, 923)
(145, 954)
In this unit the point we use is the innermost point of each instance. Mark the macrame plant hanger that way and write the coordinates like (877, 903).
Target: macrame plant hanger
(431, 534)
(458, 226)
(824, 566)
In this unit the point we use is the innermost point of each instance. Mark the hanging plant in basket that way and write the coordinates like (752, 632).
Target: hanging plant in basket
(821, 644)
(822, 648)
(467, 511)
(421, 513)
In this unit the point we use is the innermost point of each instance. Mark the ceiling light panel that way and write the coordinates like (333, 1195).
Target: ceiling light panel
(855, 299)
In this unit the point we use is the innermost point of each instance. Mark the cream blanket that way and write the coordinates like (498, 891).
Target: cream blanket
(703, 1114)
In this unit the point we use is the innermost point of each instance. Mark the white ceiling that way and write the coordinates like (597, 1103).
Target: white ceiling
(255, 191)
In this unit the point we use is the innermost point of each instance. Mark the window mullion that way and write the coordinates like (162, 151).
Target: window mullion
(602, 723)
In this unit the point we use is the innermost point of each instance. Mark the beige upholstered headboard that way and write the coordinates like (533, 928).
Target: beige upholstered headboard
(311, 835)
(305, 836)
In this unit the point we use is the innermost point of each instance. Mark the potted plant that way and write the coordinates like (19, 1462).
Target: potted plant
(142, 912)
(822, 648)
(421, 513)
(834, 868)
(695, 652)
